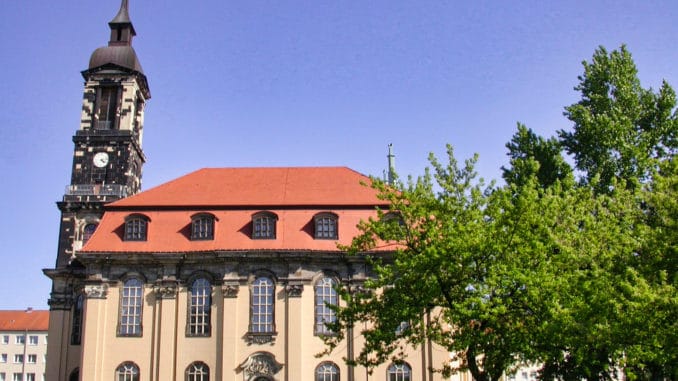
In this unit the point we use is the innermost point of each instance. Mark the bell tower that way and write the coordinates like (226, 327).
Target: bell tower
(107, 164)
(107, 157)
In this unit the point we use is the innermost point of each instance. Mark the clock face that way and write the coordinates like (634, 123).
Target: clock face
(100, 159)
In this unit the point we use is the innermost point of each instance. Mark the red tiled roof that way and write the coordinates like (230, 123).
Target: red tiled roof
(296, 186)
(233, 196)
(28, 320)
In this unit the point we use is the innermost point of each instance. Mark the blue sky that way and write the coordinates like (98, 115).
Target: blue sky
(297, 83)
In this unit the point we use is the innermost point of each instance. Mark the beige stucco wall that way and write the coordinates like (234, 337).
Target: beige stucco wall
(164, 351)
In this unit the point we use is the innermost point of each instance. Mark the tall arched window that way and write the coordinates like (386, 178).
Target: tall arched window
(76, 322)
(131, 304)
(75, 375)
(87, 232)
(199, 308)
(325, 293)
(399, 372)
(127, 371)
(261, 316)
(198, 371)
(327, 371)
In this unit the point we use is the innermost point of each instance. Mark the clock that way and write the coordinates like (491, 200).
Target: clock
(100, 159)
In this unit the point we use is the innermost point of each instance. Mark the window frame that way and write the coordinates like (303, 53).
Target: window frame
(127, 371)
(326, 226)
(136, 228)
(202, 227)
(32, 356)
(76, 321)
(31, 341)
(333, 374)
(18, 358)
(192, 371)
(111, 111)
(270, 230)
(86, 234)
(399, 372)
(20, 339)
(256, 295)
(205, 297)
(125, 328)
(324, 291)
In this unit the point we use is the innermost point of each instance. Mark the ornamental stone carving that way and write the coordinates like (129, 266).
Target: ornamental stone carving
(96, 291)
(230, 290)
(59, 301)
(165, 290)
(261, 337)
(294, 290)
(260, 364)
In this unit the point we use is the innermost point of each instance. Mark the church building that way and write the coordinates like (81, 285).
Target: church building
(221, 274)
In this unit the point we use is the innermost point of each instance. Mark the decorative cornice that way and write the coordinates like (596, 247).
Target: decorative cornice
(96, 291)
(294, 290)
(230, 290)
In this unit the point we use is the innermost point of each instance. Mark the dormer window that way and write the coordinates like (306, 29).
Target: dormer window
(202, 227)
(136, 228)
(263, 225)
(326, 226)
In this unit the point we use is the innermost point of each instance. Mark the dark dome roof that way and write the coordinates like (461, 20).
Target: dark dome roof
(124, 56)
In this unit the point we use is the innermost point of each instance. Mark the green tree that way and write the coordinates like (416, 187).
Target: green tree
(621, 130)
(475, 258)
(532, 155)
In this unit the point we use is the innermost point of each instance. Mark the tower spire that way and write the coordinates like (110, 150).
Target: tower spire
(122, 29)
(391, 165)
(123, 14)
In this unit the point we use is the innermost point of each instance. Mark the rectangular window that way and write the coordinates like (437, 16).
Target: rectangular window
(30, 376)
(3, 357)
(32, 359)
(5, 339)
(18, 359)
(20, 339)
(33, 340)
(107, 103)
(17, 377)
(2, 376)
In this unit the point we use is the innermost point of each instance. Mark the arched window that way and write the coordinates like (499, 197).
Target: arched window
(75, 375)
(127, 371)
(326, 226)
(76, 322)
(136, 228)
(199, 305)
(327, 371)
(399, 372)
(325, 293)
(198, 371)
(87, 232)
(131, 304)
(264, 225)
(261, 316)
(202, 227)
